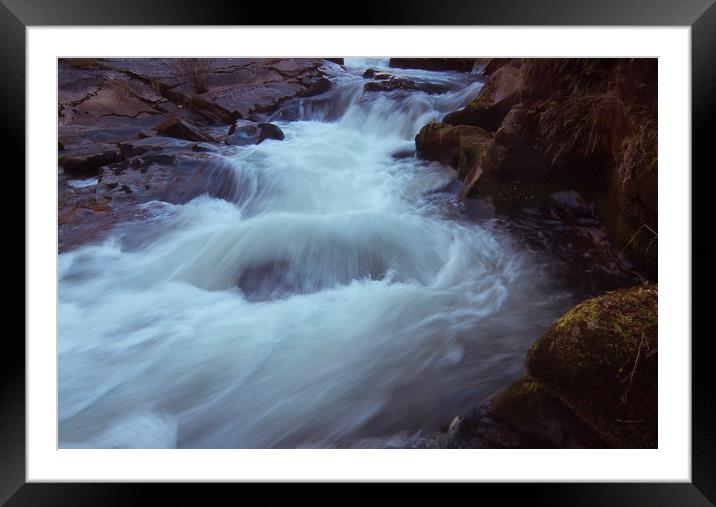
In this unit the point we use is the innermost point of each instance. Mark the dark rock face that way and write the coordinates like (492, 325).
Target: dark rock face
(86, 162)
(454, 146)
(271, 131)
(182, 129)
(131, 90)
(500, 94)
(374, 74)
(465, 148)
(521, 416)
(570, 124)
(251, 88)
(606, 347)
(253, 133)
(401, 83)
(457, 64)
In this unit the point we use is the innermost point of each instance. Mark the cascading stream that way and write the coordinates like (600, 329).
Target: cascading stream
(337, 296)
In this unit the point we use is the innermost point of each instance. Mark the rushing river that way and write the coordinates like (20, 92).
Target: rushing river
(339, 295)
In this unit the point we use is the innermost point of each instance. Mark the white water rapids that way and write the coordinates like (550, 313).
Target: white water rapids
(337, 297)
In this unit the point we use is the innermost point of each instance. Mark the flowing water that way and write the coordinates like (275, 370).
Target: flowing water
(337, 294)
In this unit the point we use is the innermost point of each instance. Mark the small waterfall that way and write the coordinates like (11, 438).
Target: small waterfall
(322, 296)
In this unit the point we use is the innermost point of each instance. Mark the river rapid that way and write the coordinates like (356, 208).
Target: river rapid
(338, 295)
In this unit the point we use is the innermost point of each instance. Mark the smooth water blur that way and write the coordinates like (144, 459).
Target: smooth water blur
(332, 297)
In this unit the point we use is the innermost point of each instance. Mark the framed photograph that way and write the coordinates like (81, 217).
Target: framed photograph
(419, 246)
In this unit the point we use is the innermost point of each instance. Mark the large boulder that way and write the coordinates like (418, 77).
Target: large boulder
(458, 64)
(518, 174)
(600, 360)
(499, 94)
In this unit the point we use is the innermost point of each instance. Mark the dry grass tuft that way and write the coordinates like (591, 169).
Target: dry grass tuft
(581, 124)
(120, 88)
(194, 70)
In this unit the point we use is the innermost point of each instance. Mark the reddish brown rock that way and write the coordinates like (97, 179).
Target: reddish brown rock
(499, 94)
(182, 129)
(87, 162)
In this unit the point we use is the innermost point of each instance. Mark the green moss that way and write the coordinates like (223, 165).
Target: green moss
(600, 359)
(458, 146)
(514, 402)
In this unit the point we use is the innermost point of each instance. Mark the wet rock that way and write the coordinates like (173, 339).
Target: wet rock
(526, 407)
(374, 74)
(271, 131)
(251, 88)
(202, 147)
(338, 61)
(125, 89)
(182, 129)
(600, 360)
(401, 83)
(521, 416)
(154, 143)
(571, 208)
(462, 147)
(315, 87)
(499, 94)
(247, 133)
(517, 173)
(268, 280)
(86, 162)
(457, 64)
(399, 155)
(512, 173)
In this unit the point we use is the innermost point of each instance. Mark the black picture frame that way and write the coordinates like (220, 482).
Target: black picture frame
(16, 15)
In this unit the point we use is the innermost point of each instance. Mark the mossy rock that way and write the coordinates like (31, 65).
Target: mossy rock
(600, 360)
(461, 147)
(543, 421)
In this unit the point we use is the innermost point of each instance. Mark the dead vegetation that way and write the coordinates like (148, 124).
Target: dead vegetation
(119, 87)
(83, 63)
(194, 70)
(582, 109)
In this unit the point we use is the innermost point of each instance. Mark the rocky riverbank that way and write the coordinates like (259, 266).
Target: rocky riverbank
(591, 381)
(545, 125)
(540, 127)
(146, 129)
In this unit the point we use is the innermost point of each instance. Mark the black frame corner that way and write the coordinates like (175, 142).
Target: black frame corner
(16, 15)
